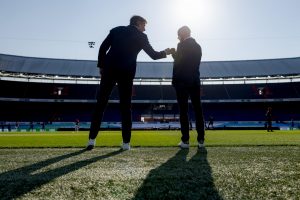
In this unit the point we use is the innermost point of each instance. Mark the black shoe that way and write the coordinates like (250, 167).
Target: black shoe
(89, 147)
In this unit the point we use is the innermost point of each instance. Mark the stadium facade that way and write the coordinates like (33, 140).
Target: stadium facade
(42, 89)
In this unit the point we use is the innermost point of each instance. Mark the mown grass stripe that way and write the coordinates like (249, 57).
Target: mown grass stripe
(149, 139)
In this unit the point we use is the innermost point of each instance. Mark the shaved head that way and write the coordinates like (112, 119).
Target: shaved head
(184, 32)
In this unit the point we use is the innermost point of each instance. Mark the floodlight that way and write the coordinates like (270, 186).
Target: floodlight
(91, 44)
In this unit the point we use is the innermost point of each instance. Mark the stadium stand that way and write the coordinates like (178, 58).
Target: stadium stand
(58, 91)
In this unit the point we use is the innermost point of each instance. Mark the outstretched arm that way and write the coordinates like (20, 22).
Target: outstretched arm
(151, 52)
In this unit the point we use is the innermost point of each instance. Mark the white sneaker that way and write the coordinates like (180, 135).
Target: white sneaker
(184, 145)
(91, 144)
(126, 146)
(201, 144)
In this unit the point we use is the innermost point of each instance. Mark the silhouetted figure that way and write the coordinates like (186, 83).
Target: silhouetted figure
(9, 127)
(17, 126)
(210, 122)
(269, 119)
(292, 124)
(117, 64)
(77, 125)
(186, 81)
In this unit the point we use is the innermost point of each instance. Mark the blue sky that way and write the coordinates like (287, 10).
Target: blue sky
(226, 29)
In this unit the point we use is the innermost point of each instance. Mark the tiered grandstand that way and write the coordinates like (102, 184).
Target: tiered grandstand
(235, 93)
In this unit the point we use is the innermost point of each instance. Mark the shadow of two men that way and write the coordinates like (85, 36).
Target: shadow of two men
(179, 178)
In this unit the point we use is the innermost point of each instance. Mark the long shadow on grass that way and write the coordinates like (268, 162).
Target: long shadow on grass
(15, 183)
(180, 179)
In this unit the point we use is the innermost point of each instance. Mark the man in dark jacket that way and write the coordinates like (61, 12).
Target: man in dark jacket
(117, 64)
(186, 81)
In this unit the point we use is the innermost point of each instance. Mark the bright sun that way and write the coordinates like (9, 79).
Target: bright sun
(192, 12)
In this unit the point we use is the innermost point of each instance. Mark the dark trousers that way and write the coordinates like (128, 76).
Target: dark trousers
(125, 92)
(183, 93)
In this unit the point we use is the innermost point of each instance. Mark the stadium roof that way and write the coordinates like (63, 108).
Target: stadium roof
(214, 69)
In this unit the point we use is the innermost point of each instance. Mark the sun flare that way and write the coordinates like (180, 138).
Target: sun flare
(193, 12)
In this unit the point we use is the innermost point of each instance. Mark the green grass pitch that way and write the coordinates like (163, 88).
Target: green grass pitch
(233, 165)
(148, 138)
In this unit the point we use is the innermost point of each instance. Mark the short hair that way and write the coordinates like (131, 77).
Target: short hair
(134, 20)
(185, 30)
